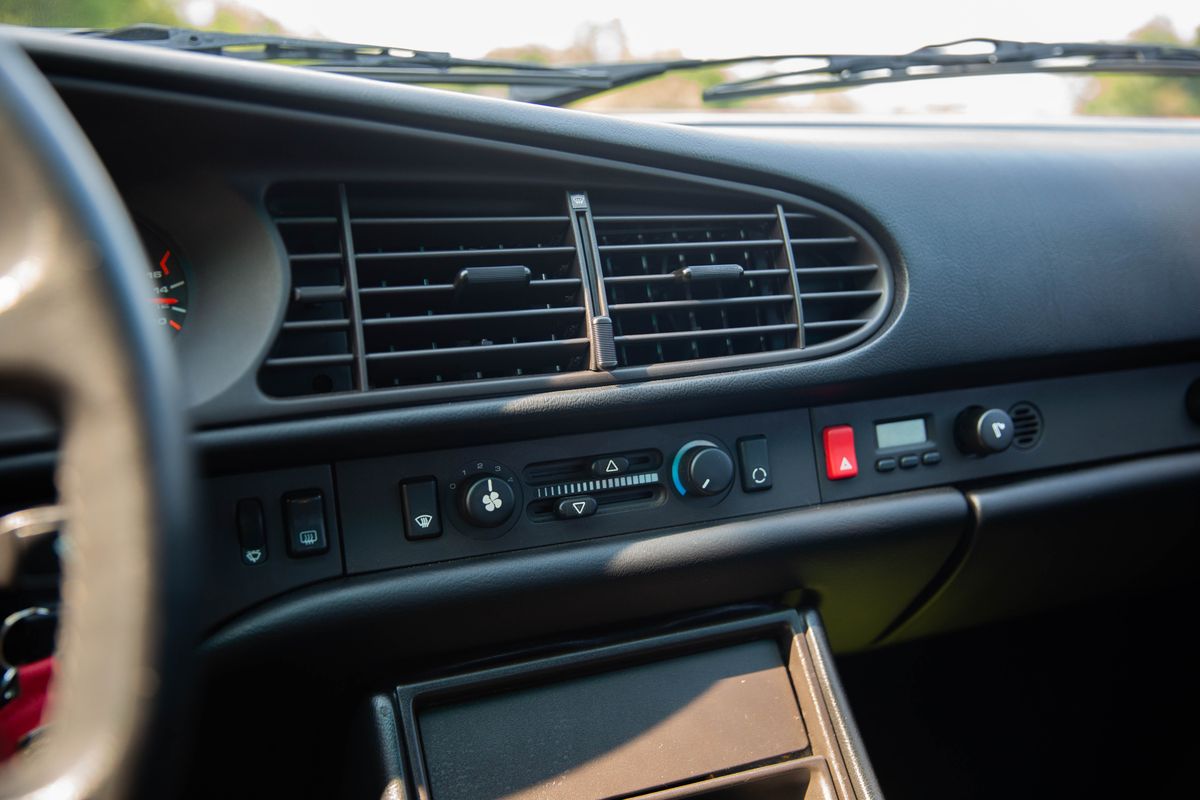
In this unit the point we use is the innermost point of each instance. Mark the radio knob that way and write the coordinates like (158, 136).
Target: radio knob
(983, 431)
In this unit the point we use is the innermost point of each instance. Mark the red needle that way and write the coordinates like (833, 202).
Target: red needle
(162, 263)
(164, 301)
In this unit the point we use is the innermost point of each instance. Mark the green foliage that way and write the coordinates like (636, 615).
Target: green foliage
(1147, 96)
(87, 13)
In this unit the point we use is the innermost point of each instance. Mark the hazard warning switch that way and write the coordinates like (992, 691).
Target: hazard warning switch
(840, 459)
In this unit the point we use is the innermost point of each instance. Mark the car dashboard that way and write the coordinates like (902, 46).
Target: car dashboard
(466, 375)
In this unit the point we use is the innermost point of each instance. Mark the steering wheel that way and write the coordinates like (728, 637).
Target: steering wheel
(75, 333)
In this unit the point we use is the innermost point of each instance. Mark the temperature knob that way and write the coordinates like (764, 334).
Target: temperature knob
(983, 431)
(702, 468)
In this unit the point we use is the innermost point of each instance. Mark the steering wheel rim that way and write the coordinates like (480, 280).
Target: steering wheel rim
(74, 330)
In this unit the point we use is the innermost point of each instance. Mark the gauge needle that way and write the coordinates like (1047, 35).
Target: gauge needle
(164, 301)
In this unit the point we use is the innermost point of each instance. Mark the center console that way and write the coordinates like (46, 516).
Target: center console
(747, 708)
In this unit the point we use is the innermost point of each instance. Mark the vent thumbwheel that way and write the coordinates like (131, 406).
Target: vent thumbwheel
(1027, 425)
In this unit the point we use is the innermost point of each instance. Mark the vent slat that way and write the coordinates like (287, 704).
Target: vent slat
(552, 283)
(711, 303)
(486, 349)
(823, 241)
(318, 294)
(403, 255)
(670, 277)
(861, 294)
(305, 220)
(835, 324)
(317, 325)
(850, 269)
(459, 220)
(303, 257)
(704, 218)
(427, 319)
(308, 361)
(715, 333)
(670, 246)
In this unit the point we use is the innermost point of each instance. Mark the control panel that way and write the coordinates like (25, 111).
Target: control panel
(415, 509)
(277, 530)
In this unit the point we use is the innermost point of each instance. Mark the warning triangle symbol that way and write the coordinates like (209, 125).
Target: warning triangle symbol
(845, 466)
(611, 466)
(579, 507)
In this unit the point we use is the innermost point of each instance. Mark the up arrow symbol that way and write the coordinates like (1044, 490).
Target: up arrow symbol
(612, 466)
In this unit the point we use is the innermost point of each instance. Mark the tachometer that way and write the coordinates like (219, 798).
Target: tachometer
(168, 274)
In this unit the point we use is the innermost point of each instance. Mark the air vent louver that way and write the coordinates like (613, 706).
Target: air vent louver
(685, 286)
(444, 297)
(313, 353)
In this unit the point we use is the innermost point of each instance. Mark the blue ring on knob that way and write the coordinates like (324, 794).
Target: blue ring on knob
(679, 457)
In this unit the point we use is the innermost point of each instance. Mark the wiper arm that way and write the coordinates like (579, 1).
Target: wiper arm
(557, 86)
(402, 65)
(528, 82)
(998, 57)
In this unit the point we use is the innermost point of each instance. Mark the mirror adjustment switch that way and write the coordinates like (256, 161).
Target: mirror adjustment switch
(422, 520)
(755, 463)
(304, 521)
(252, 531)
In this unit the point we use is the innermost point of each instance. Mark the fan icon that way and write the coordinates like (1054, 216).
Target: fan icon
(492, 501)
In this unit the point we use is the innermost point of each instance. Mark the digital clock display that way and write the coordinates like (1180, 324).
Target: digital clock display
(900, 433)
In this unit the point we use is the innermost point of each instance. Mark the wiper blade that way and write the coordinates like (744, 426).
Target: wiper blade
(402, 65)
(995, 57)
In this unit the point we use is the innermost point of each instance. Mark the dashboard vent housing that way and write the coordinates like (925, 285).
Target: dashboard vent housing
(500, 287)
(693, 283)
(438, 289)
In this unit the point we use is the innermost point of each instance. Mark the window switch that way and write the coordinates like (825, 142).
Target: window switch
(304, 522)
(252, 532)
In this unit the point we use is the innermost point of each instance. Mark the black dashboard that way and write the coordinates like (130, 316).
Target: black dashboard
(884, 322)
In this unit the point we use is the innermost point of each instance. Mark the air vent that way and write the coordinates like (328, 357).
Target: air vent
(313, 353)
(1027, 425)
(500, 287)
(436, 292)
(687, 285)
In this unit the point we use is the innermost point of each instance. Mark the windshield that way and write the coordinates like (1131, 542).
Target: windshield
(551, 32)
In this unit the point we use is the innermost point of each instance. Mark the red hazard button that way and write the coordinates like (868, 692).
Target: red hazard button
(840, 459)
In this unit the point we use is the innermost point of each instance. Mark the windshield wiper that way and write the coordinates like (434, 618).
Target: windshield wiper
(560, 85)
(994, 57)
(400, 65)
